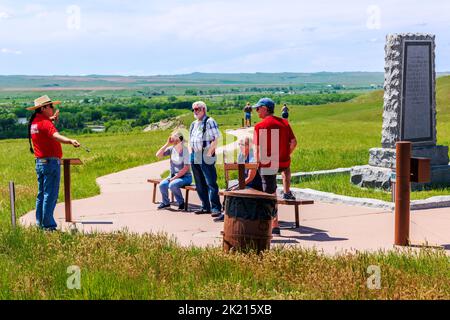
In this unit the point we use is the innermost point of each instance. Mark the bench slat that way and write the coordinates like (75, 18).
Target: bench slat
(294, 202)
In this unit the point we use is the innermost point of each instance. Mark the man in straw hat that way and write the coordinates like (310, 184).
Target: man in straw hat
(48, 152)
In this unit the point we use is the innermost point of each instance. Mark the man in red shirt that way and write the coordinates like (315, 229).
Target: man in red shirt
(275, 142)
(48, 152)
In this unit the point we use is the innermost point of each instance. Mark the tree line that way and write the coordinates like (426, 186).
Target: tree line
(126, 113)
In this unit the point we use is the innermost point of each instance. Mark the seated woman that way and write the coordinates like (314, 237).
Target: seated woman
(180, 170)
(252, 176)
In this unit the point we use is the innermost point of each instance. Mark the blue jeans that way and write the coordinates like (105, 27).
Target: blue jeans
(174, 186)
(205, 176)
(48, 176)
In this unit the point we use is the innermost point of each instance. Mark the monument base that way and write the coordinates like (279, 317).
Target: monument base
(378, 177)
(385, 157)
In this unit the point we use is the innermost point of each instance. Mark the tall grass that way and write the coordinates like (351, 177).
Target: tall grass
(127, 266)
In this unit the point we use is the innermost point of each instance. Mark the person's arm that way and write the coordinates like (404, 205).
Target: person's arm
(181, 173)
(212, 148)
(292, 145)
(162, 150)
(213, 131)
(251, 176)
(60, 138)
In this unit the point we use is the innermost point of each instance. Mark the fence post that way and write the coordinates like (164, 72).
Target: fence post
(12, 199)
(402, 192)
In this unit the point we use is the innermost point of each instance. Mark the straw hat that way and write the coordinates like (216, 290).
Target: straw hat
(42, 101)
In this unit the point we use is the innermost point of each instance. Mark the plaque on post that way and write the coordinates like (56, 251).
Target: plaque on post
(409, 113)
(67, 162)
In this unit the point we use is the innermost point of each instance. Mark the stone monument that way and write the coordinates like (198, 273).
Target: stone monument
(409, 112)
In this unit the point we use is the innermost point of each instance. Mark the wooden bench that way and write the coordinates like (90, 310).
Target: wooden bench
(186, 194)
(240, 168)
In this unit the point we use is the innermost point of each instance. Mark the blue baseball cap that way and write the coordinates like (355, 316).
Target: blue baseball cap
(265, 102)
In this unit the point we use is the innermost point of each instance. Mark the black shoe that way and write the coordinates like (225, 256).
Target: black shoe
(288, 196)
(163, 206)
(181, 206)
(276, 231)
(202, 211)
(216, 214)
(220, 218)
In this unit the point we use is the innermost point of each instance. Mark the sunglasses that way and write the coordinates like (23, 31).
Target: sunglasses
(259, 108)
(196, 109)
(49, 106)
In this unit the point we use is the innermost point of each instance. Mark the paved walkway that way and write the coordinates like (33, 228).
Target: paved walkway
(125, 203)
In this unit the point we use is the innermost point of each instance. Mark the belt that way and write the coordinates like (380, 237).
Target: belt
(46, 160)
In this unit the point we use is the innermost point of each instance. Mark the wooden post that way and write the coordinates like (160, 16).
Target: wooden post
(12, 198)
(67, 196)
(402, 193)
(154, 193)
(241, 174)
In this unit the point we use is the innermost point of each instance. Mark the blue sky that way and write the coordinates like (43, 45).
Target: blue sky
(172, 37)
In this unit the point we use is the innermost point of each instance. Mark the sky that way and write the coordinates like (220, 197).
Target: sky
(147, 37)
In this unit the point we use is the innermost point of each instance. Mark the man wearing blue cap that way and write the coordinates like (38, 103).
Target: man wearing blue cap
(275, 142)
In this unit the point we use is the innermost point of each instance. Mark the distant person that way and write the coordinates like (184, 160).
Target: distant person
(285, 112)
(248, 115)
(45, 144)
(204, 137)
(180, 170)
(272, 161)
(252, 177)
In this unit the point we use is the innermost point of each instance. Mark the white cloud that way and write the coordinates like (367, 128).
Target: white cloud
(10, 51)
(4, 15)
(216, 35)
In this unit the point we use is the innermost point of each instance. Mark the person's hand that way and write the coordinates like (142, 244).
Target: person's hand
(55, 116)
(169, 140)
(210, 153)
(75, 143)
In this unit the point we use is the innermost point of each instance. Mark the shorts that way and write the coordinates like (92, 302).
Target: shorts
(248, 116)
(269, 182)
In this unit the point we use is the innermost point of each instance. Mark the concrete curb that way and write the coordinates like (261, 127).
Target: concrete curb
(298, 176)
(430, 203)
(335, 198)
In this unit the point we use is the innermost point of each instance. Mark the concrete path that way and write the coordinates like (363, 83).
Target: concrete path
(125, 203)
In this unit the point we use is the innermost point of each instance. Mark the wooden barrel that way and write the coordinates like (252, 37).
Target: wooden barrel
(244, 230)
(246, 235)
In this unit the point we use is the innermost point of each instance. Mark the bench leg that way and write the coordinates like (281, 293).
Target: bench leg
(297, 219)
(154, 193)
(171, 197)
(186, 200)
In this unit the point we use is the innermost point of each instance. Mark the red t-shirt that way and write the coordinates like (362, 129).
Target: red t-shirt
(279, 129)
(42, 130)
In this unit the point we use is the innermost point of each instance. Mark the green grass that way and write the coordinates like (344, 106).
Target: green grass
(108, 154)
(127, 266)
(123, 265)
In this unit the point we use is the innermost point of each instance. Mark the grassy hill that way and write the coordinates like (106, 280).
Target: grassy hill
(49, 82)
(330, 136)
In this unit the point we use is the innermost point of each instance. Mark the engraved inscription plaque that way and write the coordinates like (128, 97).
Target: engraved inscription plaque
(416, 110)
